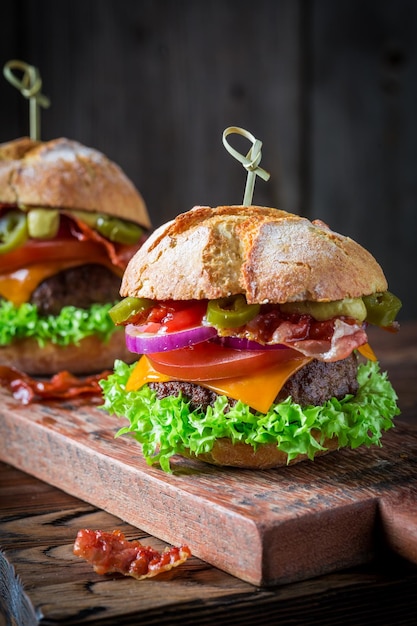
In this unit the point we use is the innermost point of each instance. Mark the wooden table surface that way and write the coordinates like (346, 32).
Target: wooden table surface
(41, 582)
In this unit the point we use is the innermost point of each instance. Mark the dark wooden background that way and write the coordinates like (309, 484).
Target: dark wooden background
(330, 87)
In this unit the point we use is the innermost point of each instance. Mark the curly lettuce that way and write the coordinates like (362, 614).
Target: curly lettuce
(69, 327)
(166, 427)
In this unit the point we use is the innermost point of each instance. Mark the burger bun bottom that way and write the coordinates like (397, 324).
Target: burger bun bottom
(90, 356)
(266, 456)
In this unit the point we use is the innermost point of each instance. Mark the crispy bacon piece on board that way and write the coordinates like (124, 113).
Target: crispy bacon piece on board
(112, 552)
(61, 386)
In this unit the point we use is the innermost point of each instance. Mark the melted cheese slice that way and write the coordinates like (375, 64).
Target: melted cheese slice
(18, 286)
(367, 352)
(258, 390)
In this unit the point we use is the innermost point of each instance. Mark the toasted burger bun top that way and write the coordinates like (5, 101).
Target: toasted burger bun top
(266, 254)
(66, 174)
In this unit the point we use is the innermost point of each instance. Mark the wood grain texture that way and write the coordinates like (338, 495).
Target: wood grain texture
(362, 100)
(271, 522)
(329, 87)
(154, 84)
(38, 526)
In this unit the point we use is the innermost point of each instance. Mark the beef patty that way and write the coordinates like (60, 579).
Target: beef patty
(79, 286)
(313, 384)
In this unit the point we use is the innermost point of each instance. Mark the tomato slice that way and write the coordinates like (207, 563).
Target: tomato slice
(186, 318)
(38, 251)
(82, 244)
(174, 316)
(208, 361)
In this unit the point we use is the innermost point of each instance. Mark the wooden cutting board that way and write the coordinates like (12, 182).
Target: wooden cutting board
(265, 527)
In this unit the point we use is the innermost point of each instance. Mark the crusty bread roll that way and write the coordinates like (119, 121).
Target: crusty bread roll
(89, 356)
(266, 254)
(66, 174)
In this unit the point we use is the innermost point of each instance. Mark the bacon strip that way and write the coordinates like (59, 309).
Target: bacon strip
(345, 339)
(113, 553)
(330, 340)
(61, 386)
(119, 254)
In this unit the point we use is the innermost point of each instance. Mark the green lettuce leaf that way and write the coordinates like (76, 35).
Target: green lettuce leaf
(166, 427)
(69, 327)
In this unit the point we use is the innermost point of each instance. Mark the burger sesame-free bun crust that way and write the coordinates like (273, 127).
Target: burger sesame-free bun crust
(266, 254)
(66, 174)
(266, 456)
(90, 356)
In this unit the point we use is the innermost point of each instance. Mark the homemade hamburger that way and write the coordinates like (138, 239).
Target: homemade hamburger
(70, 220)
(252, 326)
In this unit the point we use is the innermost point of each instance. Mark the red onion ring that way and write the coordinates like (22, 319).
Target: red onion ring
(146, 343)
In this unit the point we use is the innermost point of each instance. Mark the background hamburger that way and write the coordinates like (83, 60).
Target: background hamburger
(69, 222)
(252, 322)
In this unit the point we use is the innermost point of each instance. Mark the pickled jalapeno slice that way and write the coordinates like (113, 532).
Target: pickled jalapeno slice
(13, 230)
(113, 228)
(118, 230)
(43, 223)
(127, 309)
(382, 308)
(231, 312)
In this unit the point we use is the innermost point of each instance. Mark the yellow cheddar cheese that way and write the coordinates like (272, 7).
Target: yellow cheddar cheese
(367, 352)
(258, 390)
(19, 285)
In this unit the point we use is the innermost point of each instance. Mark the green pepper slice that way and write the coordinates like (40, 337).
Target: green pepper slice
(113, 228)
(13, 230)
(118, 230)
(381, 308)
(231, 312)
(43, 223)
(349, 307)
(128, 308)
